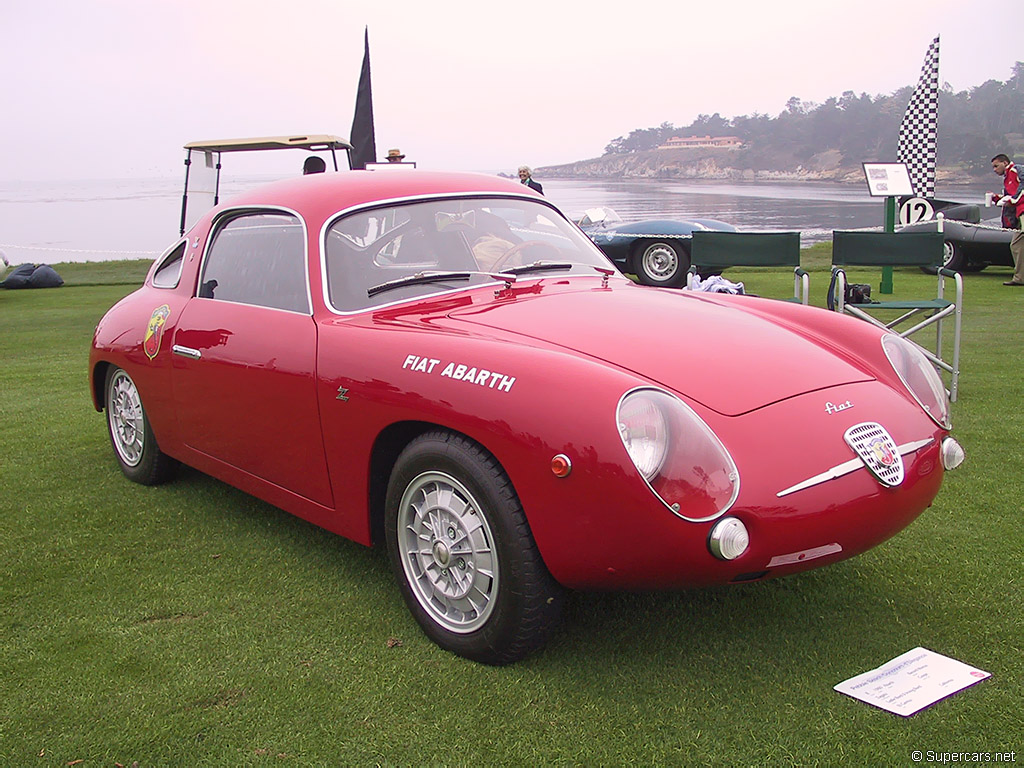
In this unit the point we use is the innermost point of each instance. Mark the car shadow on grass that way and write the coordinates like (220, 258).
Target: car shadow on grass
(804, 623)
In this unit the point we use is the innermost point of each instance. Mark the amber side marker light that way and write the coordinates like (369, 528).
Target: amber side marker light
(561, 465)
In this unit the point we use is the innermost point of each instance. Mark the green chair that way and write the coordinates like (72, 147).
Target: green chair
(905, 249)
(718, 250)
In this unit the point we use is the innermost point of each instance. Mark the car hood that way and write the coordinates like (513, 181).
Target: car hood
(719, 354)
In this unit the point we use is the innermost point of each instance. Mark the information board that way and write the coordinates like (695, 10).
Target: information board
(888, 179)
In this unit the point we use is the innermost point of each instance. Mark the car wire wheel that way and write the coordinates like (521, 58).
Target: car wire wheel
(134, 443)
(125, 418)
(953, 256)
(661, 263)
(462, 551)
(448, 552)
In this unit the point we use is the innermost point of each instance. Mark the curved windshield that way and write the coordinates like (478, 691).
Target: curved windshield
(401, 251)
(599, 217)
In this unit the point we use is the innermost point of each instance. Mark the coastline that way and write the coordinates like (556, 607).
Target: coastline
(727, 165)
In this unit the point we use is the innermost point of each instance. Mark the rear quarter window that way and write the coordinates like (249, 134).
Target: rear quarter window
(168, 273)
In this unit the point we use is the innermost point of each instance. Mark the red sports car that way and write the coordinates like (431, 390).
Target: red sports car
(443, 362)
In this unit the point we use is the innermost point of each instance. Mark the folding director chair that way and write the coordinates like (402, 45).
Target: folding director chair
(907, 249)
(718, 250)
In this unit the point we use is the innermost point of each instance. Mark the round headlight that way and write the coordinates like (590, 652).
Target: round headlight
(919, 377)
(644, 432)
(677, 454)
(729, 539)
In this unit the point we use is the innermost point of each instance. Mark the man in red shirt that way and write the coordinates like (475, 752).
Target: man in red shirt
(1012, 201)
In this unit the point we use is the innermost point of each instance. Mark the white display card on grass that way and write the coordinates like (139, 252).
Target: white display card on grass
(912, 681)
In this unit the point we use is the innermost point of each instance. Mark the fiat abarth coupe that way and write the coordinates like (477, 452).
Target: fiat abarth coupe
(445, 364)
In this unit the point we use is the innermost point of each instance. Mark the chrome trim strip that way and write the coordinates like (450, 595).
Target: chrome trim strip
(847, 467)
(803, 557)
(191, 354)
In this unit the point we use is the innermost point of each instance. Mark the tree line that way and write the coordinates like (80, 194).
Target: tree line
(973, 125)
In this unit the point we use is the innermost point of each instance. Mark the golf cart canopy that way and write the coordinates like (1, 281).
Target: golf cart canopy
(312, 143)
(202, 177)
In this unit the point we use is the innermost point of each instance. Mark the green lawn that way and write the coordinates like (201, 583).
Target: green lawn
(190, 624)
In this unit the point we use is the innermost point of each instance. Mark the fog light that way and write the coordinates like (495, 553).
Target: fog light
(729, 539)
(952, 453)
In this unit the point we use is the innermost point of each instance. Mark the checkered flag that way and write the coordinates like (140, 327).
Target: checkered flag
(919, 129)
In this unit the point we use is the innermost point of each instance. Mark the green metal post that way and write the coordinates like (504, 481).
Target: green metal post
(890, 226)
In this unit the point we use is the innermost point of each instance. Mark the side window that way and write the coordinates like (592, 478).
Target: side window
(258, 259)
(169, 271)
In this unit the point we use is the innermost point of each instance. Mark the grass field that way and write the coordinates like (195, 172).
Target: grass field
(190, 624)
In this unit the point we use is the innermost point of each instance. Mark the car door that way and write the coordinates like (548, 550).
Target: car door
(244, 351)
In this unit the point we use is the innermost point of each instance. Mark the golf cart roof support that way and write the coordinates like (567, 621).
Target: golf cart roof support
(310, 143)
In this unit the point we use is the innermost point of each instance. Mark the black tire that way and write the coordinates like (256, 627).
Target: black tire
(132, 438)
(660, 262)
(480, 588)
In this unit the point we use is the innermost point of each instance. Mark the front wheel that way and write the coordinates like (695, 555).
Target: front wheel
(661, 262)
(463, 554)
(134, 444)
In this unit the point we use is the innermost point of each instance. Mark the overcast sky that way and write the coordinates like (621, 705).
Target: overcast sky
(462, 84)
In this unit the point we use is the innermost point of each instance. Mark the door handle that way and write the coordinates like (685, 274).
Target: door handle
(192, 354)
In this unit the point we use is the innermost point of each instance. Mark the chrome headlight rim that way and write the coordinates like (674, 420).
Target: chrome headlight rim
(731, 468)
(936, 380)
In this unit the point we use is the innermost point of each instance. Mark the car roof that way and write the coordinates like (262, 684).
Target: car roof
(310, 142)
(323, 194)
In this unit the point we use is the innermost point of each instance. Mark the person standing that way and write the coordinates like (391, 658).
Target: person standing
(526, 177)
(1012, 201)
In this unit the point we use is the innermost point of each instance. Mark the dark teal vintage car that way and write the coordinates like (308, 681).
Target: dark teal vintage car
(970, 242)
(657, 251)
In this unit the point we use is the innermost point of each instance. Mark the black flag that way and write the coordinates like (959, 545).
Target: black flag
(364, 145)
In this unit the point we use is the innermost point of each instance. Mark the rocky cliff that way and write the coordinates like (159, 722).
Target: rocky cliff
(724, 165)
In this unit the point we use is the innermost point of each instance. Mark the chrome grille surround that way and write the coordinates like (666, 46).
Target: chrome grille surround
(878, 451)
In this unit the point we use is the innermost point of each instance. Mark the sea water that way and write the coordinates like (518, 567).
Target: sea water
(111, 219)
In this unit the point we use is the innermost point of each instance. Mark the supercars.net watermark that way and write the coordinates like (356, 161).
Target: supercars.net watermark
(956, 758)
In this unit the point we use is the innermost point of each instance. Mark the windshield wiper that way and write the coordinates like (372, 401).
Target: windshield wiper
(418, 278)
(538, 266)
